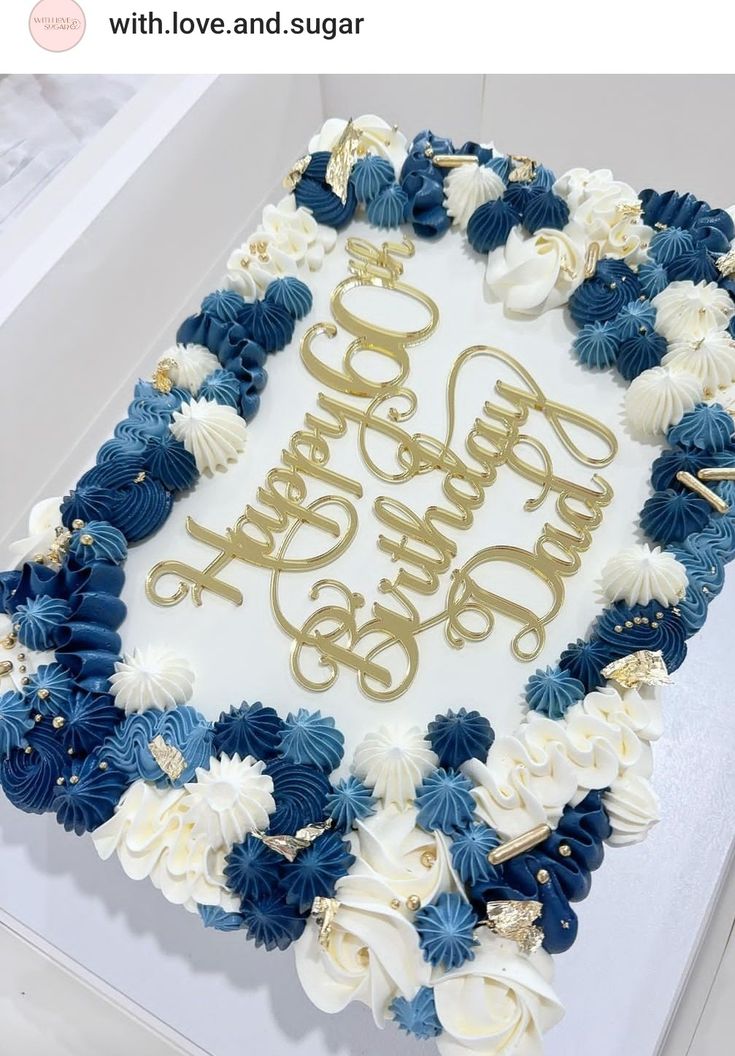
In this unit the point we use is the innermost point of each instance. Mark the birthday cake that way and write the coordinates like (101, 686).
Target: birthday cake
(367, 661)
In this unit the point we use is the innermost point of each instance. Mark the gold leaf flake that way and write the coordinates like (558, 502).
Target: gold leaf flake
(344, 156)
(524, 169)
(296, 171)
(168, 757)
(630, 211)
(725, 263)
(289, 846)
(324, 910)
(162, 381)
(642, 668)
(514, 920)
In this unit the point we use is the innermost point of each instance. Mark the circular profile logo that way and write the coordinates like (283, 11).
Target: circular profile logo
(57, 25)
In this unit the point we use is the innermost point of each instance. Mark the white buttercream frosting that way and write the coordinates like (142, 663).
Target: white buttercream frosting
(288, 238)
(152, 835)
(213, 433)
(607, 210)
(390, 846)
(530, 777)
(190, 365)
(532, 273)
(154, 677)
(372, 954)
(230, 799)
(500, 1003)
(632, 807)
(639, 574)
(659, 398)
(376, 137)
(688, 311)
(468, 187)
(711, 359)
(393, 761)
(43, 521)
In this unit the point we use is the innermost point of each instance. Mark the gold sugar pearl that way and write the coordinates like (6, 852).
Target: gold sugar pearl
(565, 850)
(428, 859)
(413, 902)
(73, 780)
(22, 656)
(86, 539)
(58, 722)
(543, 876)
(395, 903)
(25, 680)
(77, 523)
(28, 749)
(43, 694)
(59, 780)
(103, 765)
(38, 718)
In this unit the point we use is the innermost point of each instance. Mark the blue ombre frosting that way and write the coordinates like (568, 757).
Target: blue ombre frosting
(708, 427)
(543, 208)
(271, 922)
(308, 737)
(597, 345)
(88, 719)
(636, 317)
(49, 688)
(98, 541)
(370, 176)
(292, 294)
(252, 869)
(603, 296)
(28, 778)
(490, 225)
(584, 660)
(300, 793)
(446, 931)
(269, 324)
(552, 691)
(696, 265)
(470, 850)
(670, 516)
(223, 387)
(669, 244)
(640, 352)
(15, 722)
(389, 208)
(349, 802)
(316, 870)
(249, 729)
(627, 628)
(220, 919)
(652, 278)
(219, 312)
(39, 622)
(88, 796)
(182, 728)
(459, 736)
(417, 1016)
(444, 801)
(314, 193)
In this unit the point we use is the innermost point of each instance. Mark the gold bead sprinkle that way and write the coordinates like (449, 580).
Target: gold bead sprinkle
(413, 902)
(86, 539)
(43, 694)
(428, 859)
(77, 523)
(565, 850)
(395, 903)
(58, 722)
(73, 780)
(543, 876)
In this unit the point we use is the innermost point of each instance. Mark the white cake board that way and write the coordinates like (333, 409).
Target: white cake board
(640, 927)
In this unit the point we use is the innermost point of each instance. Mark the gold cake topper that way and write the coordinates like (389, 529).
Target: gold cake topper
(642, 668)
(515, 920)
(306, 514)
